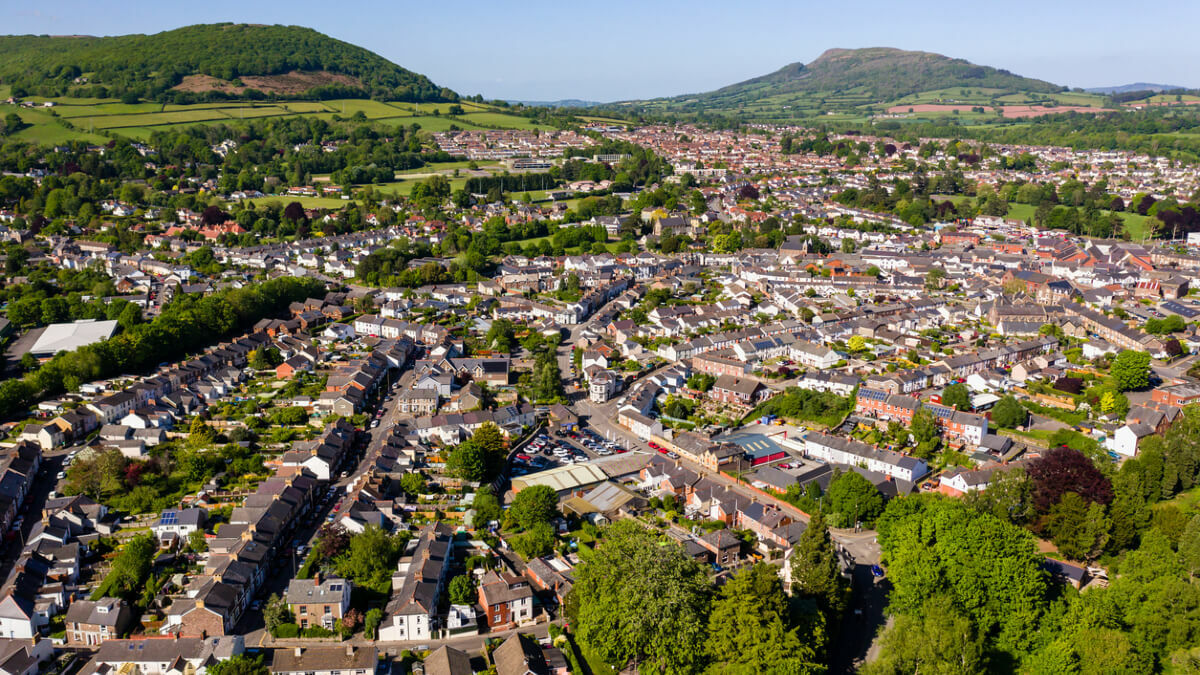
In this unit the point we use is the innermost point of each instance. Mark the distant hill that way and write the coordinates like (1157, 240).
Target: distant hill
(222, 60)
(887, 73)
(564, 103)
(852, 77)
(1136, 86)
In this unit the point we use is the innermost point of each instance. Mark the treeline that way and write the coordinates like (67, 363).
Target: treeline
(972, 569)
(521, 182)
(1158, 132)
(641, 166)
(187, 325)
(149, 66)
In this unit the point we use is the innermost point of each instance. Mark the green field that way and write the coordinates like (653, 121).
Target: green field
(1135, 223)
(405, 188)
(140, 120)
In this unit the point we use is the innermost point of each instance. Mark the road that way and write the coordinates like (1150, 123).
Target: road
(368, 446)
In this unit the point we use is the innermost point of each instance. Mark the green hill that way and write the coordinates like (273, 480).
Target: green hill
(207, 62)
(847, 80)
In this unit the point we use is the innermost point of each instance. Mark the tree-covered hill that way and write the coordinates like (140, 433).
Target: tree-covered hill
(885, 73)
(275, 60)
(843, 79)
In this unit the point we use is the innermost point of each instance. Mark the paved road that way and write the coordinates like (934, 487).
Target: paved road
(289, 561)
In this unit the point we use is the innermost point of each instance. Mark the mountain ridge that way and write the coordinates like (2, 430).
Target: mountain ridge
(1135, 86)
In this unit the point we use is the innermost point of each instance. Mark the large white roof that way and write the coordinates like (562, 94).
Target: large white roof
(60, 337)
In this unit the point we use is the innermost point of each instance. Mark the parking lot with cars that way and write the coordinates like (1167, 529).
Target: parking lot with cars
(551, 449)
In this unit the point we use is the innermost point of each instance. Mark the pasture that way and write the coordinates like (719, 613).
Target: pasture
(95, 119)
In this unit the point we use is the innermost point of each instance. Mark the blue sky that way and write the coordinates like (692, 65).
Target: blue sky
(623, 49)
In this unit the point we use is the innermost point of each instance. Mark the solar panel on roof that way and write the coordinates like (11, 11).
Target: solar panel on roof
(168, 518)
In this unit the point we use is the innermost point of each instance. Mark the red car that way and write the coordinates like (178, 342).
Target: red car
(654, 445)
(523, 457)
(662, 451)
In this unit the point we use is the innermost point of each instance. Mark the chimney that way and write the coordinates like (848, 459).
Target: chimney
(299, 651)
(317, 578)
(349, 651)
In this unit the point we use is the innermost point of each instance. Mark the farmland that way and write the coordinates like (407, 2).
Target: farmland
(92, 120)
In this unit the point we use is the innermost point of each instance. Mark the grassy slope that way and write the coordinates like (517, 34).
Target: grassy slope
(140, 120)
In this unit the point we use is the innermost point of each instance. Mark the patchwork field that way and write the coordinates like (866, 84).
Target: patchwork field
(96, 119)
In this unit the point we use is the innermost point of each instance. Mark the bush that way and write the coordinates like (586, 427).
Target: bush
(317, 632)
(286, 630)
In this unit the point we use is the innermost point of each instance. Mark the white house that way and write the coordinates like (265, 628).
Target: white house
(1126, 439)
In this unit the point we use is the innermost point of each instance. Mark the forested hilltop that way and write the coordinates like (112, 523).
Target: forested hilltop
(211, 60)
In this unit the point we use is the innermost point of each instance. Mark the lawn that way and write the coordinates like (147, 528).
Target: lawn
(306, 202)
(405, 188)
(1187, 501)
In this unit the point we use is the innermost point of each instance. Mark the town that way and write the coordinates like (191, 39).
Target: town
(614, 378)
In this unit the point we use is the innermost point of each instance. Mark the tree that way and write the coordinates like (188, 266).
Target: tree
(275, 612)
(501, 336)
(264, 359)
(1189, 546)
(990, 569)
(349, 622)
(197, 542)
(489, 437)
(1009, 413)
(816, 573)
(412, 483)
(199, 433)
(1079, 530)
(242, 664)
(853, 499)
(1009, 496)
(470, 462)
(369, 559)
(129, 569)
(1061, 470)
(749, 629)
(331, 540)
(533, 505)
(371, 623)
(636, 601)
(957, 397)
(535, 542)
(487, 508)
(934, 278)
(936, 639)
(856, 343)
(462, 590)
(1130, 370)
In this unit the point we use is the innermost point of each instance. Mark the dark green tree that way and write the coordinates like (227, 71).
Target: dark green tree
(638, 600)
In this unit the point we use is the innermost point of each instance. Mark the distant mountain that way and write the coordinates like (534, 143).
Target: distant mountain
(886, 74)
(564, 103)
(1136, 86)
(229, 59)
(847, 78)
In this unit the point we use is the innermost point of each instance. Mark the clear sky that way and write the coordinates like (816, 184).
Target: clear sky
(626, 49)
